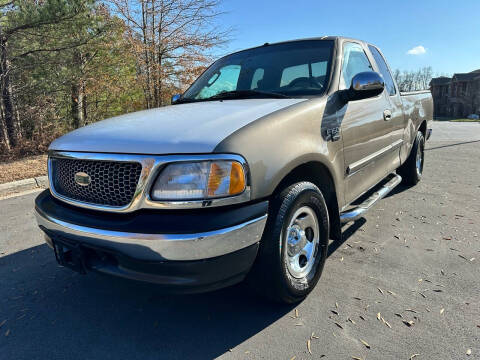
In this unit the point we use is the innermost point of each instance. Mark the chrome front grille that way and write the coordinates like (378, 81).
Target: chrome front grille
(111, 183)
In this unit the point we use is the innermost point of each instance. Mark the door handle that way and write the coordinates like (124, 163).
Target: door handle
(387, 115)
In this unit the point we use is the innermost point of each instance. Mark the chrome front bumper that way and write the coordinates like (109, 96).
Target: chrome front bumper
(160, 247)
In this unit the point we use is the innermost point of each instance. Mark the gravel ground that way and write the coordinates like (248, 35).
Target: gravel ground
(414, 258)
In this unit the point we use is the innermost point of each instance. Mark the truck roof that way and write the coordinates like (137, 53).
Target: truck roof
(327, 37)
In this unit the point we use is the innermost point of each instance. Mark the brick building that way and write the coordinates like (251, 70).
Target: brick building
(458, 96)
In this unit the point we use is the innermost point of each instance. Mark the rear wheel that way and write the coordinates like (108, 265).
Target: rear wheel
(294, 244)
(411, 171)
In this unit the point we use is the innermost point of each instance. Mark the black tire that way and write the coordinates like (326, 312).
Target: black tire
(411, 171)
(270, 274)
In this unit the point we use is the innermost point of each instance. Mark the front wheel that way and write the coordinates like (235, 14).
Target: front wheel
(412, 169)
(294, 245)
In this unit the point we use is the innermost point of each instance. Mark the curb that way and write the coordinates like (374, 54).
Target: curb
(40, 182)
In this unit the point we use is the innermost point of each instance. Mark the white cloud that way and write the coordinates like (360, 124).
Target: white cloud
(417, 50)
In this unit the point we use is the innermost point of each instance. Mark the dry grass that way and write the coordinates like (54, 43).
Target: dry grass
(23, 169)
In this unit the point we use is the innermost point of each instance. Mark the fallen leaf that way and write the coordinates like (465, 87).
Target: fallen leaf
(408, 323)
(365, 343)
(309, 347)
(442, 310)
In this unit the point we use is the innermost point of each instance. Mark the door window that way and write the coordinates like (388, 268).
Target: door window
(354, 61)
(382, 66)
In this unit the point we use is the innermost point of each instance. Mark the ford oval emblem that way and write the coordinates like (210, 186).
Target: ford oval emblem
(82, 179)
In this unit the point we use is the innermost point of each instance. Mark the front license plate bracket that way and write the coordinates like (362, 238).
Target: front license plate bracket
(71, 256)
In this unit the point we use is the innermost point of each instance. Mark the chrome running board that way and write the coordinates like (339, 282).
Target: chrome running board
(357, 212)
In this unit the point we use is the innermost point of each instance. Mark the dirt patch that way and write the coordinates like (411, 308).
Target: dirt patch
(23, 169)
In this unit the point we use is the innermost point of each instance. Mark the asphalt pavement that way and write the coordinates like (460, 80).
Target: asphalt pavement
(405, 281)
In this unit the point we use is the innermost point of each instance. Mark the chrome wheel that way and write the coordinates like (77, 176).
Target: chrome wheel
(303, 237)
(419, 159)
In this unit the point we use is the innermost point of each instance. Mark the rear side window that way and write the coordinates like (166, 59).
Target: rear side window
(382, 66)
(354, 61)
(293, 72)
(257, 78)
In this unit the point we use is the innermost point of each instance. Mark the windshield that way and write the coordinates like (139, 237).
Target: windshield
(290, 69)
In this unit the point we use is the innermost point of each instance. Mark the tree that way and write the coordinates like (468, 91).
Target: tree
(22, 21)
(414, 80)
(171, 40)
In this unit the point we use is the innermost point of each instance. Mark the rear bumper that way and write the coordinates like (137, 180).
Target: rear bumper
(188, 248)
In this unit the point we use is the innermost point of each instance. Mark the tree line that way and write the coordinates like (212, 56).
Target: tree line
(414, 80)
(66, 63)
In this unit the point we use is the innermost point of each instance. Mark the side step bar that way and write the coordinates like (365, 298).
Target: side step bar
(357, 212)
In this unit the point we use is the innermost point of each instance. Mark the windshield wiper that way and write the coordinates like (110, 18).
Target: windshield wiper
(243, 94)
(235, 94)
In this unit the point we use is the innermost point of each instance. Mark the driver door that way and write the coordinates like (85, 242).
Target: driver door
(366, 135)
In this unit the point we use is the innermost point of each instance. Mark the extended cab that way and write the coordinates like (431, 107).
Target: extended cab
(248, 174)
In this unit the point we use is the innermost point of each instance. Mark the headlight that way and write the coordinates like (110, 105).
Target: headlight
(199, 180)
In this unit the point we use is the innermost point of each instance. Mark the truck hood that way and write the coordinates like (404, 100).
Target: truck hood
(186, 128)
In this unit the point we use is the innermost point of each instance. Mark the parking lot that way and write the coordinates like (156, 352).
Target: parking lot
(405, 281)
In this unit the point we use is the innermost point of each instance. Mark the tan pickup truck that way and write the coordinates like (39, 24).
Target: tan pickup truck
(247, 175)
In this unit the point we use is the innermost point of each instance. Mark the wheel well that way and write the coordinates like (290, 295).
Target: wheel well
(318, 174)
(423, 128)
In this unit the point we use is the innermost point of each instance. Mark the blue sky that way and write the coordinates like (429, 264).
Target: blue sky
(448, 30)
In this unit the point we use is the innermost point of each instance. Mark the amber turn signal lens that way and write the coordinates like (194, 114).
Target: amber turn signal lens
(237, 179)
(226, 178)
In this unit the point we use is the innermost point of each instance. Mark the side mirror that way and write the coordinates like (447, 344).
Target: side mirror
(365, 85)
(175, 98)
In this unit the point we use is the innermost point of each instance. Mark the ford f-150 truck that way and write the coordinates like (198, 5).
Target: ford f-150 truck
(247, 175)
